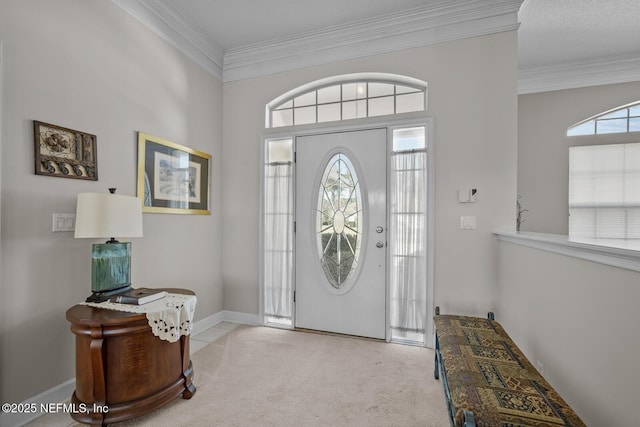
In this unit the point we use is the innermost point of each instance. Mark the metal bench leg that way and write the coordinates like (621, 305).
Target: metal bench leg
(436, 371)
(468, 420)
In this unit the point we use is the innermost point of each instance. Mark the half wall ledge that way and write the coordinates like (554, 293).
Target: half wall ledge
(622, 254)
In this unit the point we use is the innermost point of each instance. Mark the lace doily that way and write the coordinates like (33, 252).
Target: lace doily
(169, 317)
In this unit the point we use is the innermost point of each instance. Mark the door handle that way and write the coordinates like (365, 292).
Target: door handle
(379, 229)
(380, 245)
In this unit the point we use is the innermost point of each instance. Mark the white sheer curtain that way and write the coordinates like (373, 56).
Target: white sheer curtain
(408, 245)
(278, 243)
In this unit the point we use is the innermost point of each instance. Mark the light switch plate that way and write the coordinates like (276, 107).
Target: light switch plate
(467, 222)
(64, 222)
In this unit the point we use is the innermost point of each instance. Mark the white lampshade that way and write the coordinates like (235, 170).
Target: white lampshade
(101, 215)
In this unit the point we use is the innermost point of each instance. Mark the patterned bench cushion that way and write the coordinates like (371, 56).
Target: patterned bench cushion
(489, 375)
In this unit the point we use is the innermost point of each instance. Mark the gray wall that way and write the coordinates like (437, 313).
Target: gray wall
(472, 97)
(543, 147)
(576, 317)
(92, 67)
(580, 320)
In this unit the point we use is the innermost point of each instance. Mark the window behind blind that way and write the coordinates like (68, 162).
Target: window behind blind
(604, 191)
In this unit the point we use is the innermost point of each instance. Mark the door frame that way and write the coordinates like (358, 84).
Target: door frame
(390, 123)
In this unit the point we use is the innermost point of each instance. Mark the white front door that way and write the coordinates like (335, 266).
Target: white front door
(341, 231)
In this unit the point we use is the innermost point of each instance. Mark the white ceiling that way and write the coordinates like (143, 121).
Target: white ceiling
(567, 31)
(232, 24)
(561, 43)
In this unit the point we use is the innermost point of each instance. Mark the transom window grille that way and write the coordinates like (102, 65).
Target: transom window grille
(350, 99)
(621, 120)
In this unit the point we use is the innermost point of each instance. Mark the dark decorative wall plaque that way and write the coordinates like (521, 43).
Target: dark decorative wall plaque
(63, 152)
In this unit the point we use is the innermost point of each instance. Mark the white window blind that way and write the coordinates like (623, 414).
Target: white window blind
(604, 192)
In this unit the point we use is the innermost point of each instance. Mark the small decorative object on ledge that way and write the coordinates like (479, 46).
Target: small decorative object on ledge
(519, 212)
(63, 152)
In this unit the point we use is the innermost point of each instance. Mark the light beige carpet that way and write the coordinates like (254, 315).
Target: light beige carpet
(257, 376)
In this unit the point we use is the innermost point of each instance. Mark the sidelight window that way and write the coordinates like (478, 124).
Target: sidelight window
(278, 231)
(408, 237)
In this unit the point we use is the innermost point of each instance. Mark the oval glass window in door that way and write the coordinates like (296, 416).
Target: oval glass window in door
(339, 220)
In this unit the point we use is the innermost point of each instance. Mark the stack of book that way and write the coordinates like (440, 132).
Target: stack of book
(138, 296)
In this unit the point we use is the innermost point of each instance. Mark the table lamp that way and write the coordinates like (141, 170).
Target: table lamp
(102, 215)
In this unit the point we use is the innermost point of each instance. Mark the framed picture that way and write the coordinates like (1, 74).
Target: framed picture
(64, 152)
(172, 178)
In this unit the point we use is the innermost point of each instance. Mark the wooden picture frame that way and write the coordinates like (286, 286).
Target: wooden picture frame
(172, 178)
(64, 152)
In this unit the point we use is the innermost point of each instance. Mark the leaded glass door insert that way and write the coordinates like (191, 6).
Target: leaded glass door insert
(339, 221)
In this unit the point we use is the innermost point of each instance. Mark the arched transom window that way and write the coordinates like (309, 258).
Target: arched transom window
(347, 97)
(620, 120)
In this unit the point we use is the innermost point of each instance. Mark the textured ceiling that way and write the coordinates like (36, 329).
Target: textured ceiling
(556, 32)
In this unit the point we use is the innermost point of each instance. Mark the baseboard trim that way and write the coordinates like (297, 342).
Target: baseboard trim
(243, 318)
(207, 322)
(225, 316)
(62, 392)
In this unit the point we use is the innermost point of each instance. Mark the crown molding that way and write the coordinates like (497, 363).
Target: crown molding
(430, 24)
(579, 74)
(437, 22)
(175, 28)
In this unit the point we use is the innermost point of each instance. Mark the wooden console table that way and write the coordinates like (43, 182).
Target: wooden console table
(121, 366)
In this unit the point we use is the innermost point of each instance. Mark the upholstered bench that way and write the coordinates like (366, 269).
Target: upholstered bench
(488, 381)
